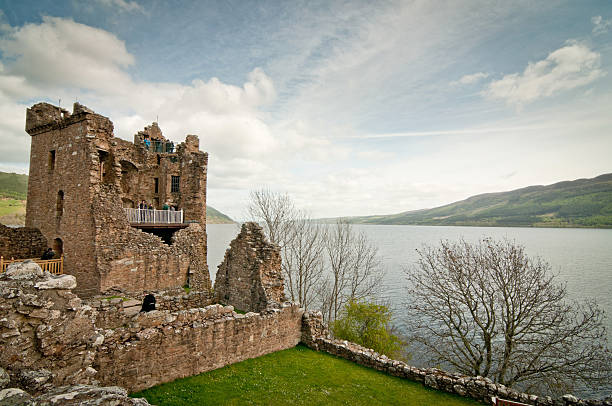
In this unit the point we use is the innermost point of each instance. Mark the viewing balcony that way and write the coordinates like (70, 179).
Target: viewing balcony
(162, 223)
(154, 217)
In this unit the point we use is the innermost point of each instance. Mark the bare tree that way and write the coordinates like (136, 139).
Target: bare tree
(303, 263)
(300, 238)
(323, 266)
(276, 211)
(354, 271)
(487, 309)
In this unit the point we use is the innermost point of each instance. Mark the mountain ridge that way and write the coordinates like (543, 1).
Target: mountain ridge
(585, 202)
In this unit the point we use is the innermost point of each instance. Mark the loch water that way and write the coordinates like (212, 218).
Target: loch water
(582, 258)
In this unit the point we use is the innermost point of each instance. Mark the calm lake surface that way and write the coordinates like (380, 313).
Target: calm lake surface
(580, 257)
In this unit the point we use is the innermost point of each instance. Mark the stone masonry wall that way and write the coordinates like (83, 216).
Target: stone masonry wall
(59, 194)
(116, 312)
(130, 260)
(316, 336)
(250, 277)
(161, 346)
(47, 336)
(81, 178)
(50, 337)
(21, 243)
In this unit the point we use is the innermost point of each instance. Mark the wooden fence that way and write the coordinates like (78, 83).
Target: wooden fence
(55, 266)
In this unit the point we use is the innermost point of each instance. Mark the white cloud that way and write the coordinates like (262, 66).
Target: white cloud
(601, 25)
(470, 79)
(60, 58)
(123, 5)
(569, 67)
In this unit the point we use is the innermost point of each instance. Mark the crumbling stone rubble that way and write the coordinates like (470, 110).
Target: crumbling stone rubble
(250, 276)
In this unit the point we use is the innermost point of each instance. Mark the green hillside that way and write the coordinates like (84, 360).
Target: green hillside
(579, 203)
(14, 190)
(214, 216)
(13, 185)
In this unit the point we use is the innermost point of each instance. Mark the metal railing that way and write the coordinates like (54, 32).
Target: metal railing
(147, 216)
(55, 266)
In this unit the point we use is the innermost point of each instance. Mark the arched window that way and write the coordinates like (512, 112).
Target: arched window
(58, 246)
(60, 203)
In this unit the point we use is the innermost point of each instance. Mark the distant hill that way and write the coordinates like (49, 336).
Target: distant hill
(214, 216)
(578, 203)
(13, 185)
(14, 191)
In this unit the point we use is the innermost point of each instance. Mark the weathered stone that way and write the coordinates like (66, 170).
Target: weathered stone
(5, 379)
(14, 397)
(88, 395)
(77, 166)
(27, 269)
(250, 277)
(59, 282)
(21, 242)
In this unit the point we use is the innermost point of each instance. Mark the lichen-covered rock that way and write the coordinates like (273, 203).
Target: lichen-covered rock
(88, 395)
(36, 380)
(60, 282)
(25, 270)
(5, 379)
(13, 397)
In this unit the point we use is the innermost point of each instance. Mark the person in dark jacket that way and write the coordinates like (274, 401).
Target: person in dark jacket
(148, 303)
(49, 254)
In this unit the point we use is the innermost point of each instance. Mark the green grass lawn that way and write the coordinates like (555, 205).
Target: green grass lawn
(298, 376)
(12, 211)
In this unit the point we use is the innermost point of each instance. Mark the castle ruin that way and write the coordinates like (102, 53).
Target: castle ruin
(84, 191)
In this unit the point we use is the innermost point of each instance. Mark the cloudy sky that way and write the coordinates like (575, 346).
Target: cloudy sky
(351, 107)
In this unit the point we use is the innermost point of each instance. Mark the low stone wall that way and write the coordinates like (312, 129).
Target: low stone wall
(116, 312)
(161, 346)
(21, 243)
(315, 336)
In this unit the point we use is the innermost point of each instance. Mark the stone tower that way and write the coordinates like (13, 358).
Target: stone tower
(84, 182)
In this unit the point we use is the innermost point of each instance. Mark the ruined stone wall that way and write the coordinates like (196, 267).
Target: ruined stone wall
(161, 346)
(131, 261)
(116, 312)
(81, 178)
(21, 243)
(316, 336)
(50, 337)
(250, 278)
(63, 161)
(47, 335)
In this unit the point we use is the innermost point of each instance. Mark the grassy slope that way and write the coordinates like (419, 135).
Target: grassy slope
(214, 216)
(14, 190)
(298, 376)
(579, 203)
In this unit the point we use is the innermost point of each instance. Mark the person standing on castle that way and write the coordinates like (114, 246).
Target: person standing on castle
(49, 254)
(165, 206)
(147, 143)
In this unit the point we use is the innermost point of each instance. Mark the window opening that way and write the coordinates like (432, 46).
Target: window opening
(60, 204)
(175, 185)
(58, 247)
(104, 165)
(52, 160)
(156, 180)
